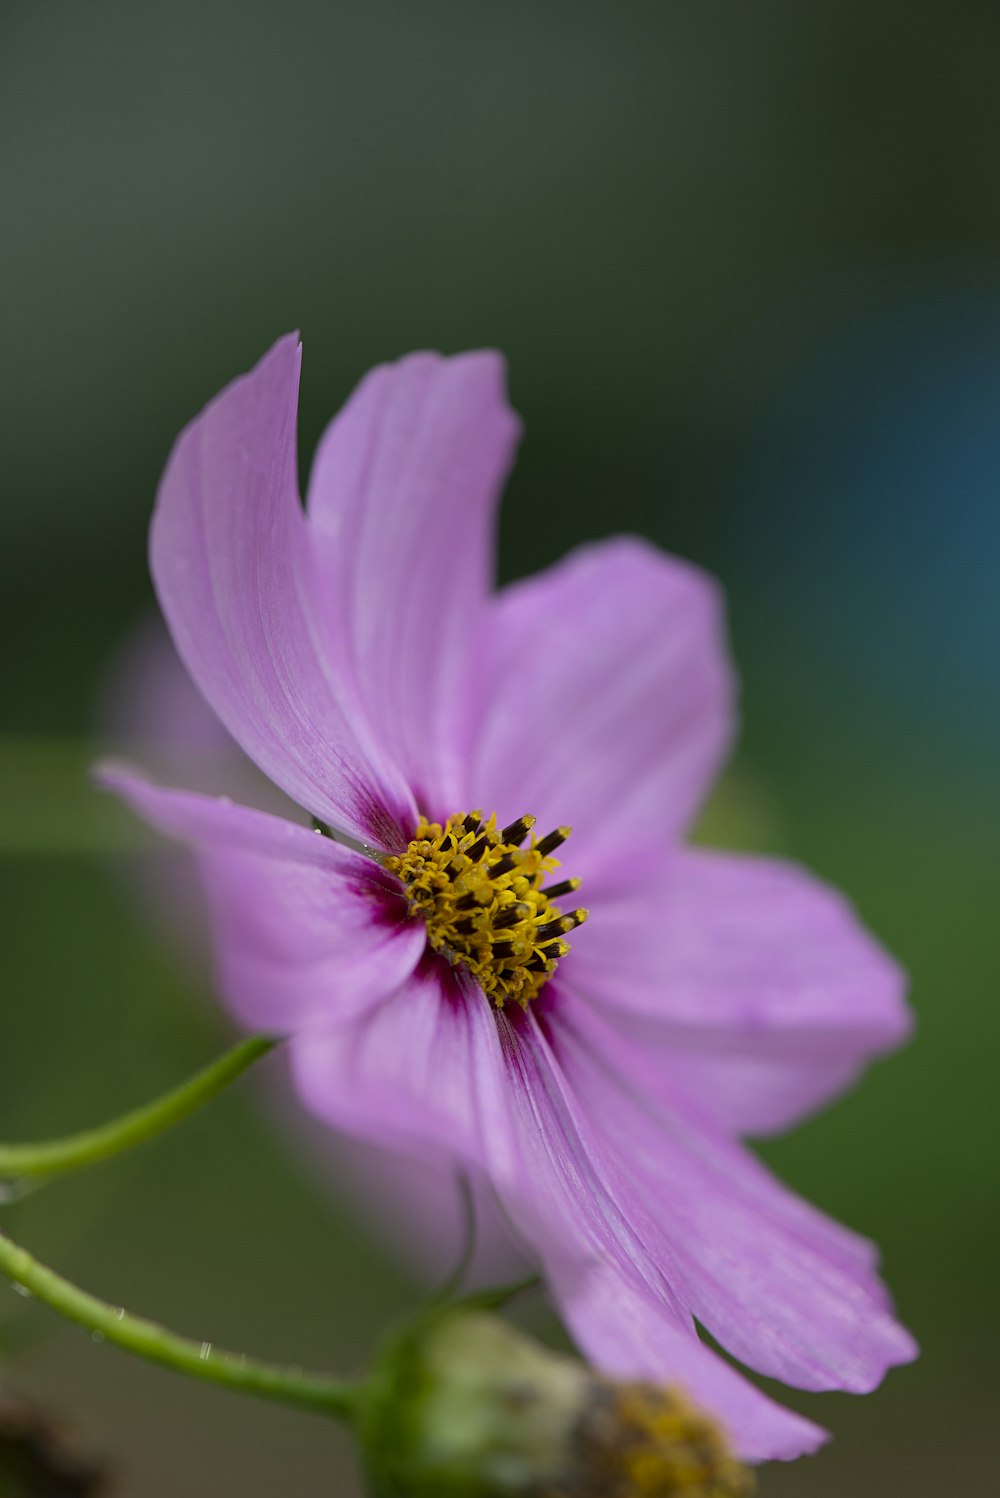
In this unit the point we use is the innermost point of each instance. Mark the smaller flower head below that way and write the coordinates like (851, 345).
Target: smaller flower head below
(486, 906)
(638, 1440)
(468, 1404)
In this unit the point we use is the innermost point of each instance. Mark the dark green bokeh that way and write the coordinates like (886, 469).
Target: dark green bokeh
(661, 212)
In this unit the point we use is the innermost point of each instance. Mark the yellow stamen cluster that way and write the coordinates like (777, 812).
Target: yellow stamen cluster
(480, 893)
(643, 1441)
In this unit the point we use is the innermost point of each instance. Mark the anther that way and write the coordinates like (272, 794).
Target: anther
(510, 915)
(480, 893)
(517, 831)
(554, 928)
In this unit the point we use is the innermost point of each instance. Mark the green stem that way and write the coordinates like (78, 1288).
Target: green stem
(37, 1162)
(196, 1359)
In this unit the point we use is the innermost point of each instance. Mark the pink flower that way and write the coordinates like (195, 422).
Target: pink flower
(357, 654)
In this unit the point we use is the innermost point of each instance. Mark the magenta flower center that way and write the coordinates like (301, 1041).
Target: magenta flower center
(482, 896)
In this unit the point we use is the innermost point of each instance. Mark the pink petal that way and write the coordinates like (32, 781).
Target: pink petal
(423, 1071)
(240, 588)
(607, 1259)
(610, 702)
(305, 930)
(402, 508)
(778, 1285)
(427, 1073)
(757, 989)
(436, 1074)
(616, 1321)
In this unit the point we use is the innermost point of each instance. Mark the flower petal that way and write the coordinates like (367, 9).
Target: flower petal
(423, 1071)
(240, 588)
(627, 1332)
(610, 701)
(782, 1288)
(401, 506)
(757, 986)
(608, 1261)
(305, 930)
(434, 1072)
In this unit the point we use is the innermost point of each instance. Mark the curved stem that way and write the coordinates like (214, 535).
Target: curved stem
(37, 1162)
(157, 1345)
(467, 1251)
(493, 1297)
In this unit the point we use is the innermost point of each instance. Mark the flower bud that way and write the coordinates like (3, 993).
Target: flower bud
(468, 1406)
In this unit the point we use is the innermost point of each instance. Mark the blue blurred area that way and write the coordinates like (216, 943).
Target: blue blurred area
(865, 505)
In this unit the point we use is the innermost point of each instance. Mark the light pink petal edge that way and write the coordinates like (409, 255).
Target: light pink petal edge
(240, 587)
(608, 1264)
(402, 513)
(754, 986)
(782, 1288)
(610, 703)
(305, 930)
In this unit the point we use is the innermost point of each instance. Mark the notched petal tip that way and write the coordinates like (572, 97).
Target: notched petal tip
(899, 1348)
(475, 377)
(486, 367)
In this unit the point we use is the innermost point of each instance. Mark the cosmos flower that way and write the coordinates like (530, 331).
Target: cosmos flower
(447, 992)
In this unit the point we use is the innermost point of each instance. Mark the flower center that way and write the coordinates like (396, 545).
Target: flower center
(482, 896)
(640, 1441)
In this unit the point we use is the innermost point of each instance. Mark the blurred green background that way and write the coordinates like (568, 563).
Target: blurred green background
(744, 260)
